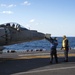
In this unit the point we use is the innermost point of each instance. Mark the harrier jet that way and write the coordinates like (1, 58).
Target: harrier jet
(13, 33)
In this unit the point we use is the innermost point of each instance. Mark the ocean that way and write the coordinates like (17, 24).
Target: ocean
(40, 44)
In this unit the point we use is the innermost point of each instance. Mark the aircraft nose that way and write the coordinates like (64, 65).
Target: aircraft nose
(38, 35)
(41, 35)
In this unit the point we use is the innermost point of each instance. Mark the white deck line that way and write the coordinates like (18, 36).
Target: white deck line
(44, 70)
(37, 54)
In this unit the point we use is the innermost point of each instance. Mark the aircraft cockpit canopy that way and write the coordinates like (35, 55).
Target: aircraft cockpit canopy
(13, 25)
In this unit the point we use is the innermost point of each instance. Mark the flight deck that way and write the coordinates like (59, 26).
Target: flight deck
(36, 63)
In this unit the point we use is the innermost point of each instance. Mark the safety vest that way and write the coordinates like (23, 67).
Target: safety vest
(64, 44)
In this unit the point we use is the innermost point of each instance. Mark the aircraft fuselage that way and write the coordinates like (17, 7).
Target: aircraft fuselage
(13, 33)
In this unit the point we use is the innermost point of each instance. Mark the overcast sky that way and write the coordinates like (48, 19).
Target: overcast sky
(56, 17)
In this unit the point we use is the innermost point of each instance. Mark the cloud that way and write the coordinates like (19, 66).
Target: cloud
(8, 6)
(26, 3)
(3, 5)
(32, 20)
(11, 5)
(6, 12)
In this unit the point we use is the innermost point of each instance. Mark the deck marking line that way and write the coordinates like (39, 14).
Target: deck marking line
(62, 68)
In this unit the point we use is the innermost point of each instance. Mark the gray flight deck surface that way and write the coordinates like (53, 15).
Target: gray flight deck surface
(36, 63)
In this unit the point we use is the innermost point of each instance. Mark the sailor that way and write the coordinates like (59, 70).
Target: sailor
(13, 25)
(65, 47)
(18, 27)
(53, 51)
(8, 24)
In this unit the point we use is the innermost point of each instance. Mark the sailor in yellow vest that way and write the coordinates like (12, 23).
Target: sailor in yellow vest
(65, 47)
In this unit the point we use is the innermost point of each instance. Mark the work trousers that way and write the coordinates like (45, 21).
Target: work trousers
(66, 54)
(54, 53)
